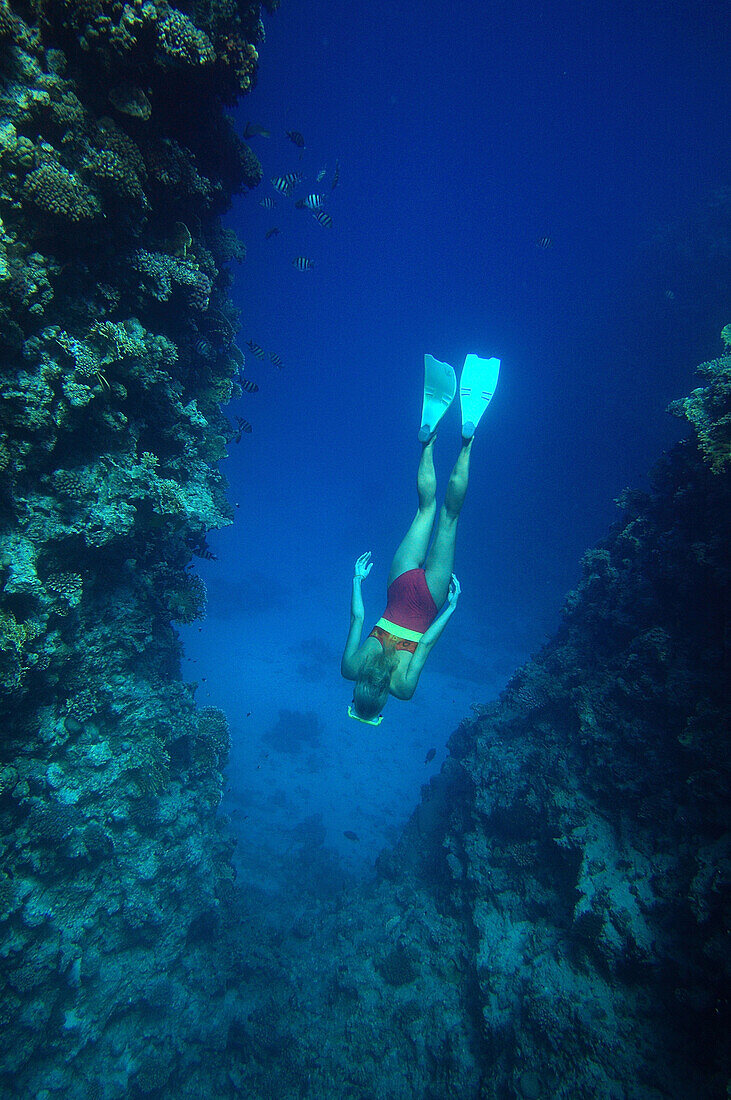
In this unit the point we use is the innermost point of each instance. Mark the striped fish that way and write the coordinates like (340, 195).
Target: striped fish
(544, 242)
(241, 426)
(248, 387)
(256, 349)
(286, 184)
(204, 348)
(302, 263)
(323, 218)
(296, 137)
(268, 203)
(312, 202)
(276, 359)
(320, 175)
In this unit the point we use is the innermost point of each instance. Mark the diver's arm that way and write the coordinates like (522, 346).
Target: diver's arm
(348, 666)
(422, 651)
(352, 645)
(427, 643)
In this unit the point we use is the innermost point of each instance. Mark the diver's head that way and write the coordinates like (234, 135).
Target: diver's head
(370, 693)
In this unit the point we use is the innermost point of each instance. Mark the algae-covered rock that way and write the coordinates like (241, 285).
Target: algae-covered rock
(115, 869)
(708, 408)
(581, 823)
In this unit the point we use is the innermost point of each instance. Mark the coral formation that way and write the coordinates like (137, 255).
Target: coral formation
(114, 866)
(580, 827)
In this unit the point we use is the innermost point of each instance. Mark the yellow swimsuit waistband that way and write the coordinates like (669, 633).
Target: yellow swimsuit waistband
(399, 631)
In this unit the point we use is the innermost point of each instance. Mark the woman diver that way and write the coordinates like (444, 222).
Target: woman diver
(421, 581)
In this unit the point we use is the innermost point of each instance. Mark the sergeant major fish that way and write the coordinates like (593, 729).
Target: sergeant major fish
(302, 263)
(256, 349)
(286, 184)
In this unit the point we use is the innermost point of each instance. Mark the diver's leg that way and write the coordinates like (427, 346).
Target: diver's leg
(440, 562)
(412, 550)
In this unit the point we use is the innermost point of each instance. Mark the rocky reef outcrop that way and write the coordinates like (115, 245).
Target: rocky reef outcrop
(117, 351)
(581, 826)
(553, 922)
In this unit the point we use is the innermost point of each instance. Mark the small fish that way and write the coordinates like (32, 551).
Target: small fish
(203, 552)
(268, 203)
(350, 835)
(256, 349)
(296, 138)
(544, 242)
(248, 387)
(302, 263)
(336, 176)
(311, 202)
(286, 184)
(253, 130)
(276, 359)
(204, 348)
(242, 427)
(430, 756)
(323, 218)
(321, 175)
(271, 232)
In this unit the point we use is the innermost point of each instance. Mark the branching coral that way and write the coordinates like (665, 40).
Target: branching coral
(180, 41)
(708, 409)
(59, 193)
(111, 255)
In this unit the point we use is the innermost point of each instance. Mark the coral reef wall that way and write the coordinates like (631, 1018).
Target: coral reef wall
(117, 351)
(581, 827)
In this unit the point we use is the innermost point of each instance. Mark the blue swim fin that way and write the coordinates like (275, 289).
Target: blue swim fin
(476, 387)
(440, 386)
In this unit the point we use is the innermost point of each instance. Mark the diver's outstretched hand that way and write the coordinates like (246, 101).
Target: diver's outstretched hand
(454, 591)
(363, 566)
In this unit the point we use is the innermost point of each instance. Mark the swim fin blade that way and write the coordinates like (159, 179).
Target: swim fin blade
(476, 386)
(440, 386)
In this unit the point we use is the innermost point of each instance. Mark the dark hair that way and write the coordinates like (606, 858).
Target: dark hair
(373, 681)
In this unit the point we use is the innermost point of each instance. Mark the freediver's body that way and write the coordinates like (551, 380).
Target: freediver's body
(421, 579)
(442, 587)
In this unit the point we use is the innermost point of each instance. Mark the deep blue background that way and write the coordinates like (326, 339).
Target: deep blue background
(465, 132)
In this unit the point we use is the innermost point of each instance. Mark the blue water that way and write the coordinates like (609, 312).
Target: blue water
(464, 134)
